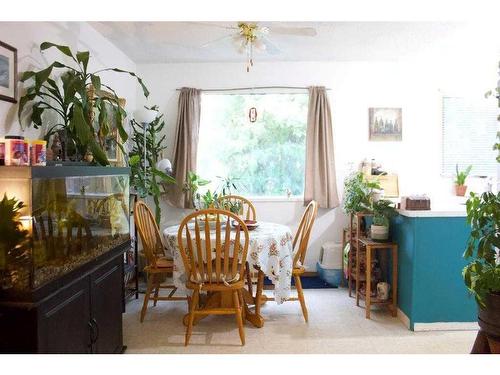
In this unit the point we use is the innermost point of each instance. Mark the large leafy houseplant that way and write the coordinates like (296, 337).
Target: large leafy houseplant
(482, 274)
(69, 99)
(358, 193)
(145, 154)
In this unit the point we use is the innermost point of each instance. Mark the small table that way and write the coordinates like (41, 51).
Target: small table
(371, 246)
(270, 251)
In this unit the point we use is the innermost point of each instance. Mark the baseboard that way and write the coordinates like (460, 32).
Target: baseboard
(446, 326)
(403, 318)
(438, 326)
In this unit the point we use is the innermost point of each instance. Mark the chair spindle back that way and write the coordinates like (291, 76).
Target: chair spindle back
(304, 232)
(209, 254)
(149, 233)
(247, 209)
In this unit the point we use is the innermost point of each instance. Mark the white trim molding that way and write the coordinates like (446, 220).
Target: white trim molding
(446, 326)
(438, 326)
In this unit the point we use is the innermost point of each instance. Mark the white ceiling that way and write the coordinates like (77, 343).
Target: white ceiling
(160, 42)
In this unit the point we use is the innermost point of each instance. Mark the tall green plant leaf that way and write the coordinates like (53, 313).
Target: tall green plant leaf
(145, 90)
(96, 81)
(83, 58)
(98, 153)
(64, 49)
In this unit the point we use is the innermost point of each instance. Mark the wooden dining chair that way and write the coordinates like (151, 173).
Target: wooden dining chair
(214, 263)
(158, 265)
(248, 212)
(299, 244)
(247, 209)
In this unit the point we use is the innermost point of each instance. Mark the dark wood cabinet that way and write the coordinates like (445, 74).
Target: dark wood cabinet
(83, 315)
(63, 320)
(106, 308)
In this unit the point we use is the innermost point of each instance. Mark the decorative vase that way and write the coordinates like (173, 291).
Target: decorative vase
(379, 232)
(383, 289)
(460, 190)
(488, 337)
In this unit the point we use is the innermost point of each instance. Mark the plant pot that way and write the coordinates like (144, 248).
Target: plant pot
(488, 338)
(460, 190)
(379, 232)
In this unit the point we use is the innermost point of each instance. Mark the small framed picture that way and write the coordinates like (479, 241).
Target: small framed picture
(8, 73)
(385, 124)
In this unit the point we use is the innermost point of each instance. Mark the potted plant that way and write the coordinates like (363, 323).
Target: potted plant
(482, 274)
(145, 178)
(460, 177)
(13, 238)
(358, 193)
(383, 210)
(74, 101)
(191, 186)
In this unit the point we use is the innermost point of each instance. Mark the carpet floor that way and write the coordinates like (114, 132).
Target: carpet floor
(335, 325)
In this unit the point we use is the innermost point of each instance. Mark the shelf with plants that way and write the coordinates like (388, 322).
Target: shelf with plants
(363, 204)
(358, 196)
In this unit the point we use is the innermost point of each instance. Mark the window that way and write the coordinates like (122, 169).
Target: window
(469, 132)
(267, 157)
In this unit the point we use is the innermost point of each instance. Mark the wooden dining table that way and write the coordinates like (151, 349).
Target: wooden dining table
(270, 254)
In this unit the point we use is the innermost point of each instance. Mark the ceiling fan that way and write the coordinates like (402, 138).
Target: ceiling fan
(250, 36)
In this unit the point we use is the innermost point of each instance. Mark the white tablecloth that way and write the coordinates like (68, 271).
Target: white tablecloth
(270, 249)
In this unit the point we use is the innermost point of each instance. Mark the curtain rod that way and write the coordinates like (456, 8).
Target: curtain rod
(256, 88)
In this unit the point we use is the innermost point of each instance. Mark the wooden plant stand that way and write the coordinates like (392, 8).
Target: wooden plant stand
(370, 247)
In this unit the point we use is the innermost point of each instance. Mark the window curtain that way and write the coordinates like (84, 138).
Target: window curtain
(320, 181)
(186, 143)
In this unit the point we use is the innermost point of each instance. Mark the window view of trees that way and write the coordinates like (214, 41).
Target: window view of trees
(266, 157)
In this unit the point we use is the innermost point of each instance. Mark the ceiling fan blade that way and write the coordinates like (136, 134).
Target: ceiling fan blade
(270, 46)
(299, 31)
(216, 41)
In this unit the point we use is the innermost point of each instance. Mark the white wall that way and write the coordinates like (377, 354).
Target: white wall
(27, 36)
(356, 86)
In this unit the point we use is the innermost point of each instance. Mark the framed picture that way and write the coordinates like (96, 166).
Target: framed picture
(8, 73)
(385, 124)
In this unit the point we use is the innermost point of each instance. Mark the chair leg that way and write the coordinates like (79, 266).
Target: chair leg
(300, 293)
(249, 279)
(239, 316)
(192, 308)
(157, 289)
(242, 304)
(146, 297)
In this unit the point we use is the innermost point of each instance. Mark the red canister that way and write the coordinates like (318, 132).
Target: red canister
(16, 150)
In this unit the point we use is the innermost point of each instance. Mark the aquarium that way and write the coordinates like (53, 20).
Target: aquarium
(72, 215)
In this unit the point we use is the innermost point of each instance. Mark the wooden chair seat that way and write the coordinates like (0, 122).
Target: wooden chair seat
(164, 263)
(216, 287)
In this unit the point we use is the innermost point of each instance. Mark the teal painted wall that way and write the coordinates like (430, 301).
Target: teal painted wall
(430, 282)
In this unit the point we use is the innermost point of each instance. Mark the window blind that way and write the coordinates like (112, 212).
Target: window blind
(469, 131)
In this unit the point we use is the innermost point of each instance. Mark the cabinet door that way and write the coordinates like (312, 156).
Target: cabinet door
(106, 306)
(64, 320)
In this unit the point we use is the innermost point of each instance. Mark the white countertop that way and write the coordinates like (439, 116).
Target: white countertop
(450, 207)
